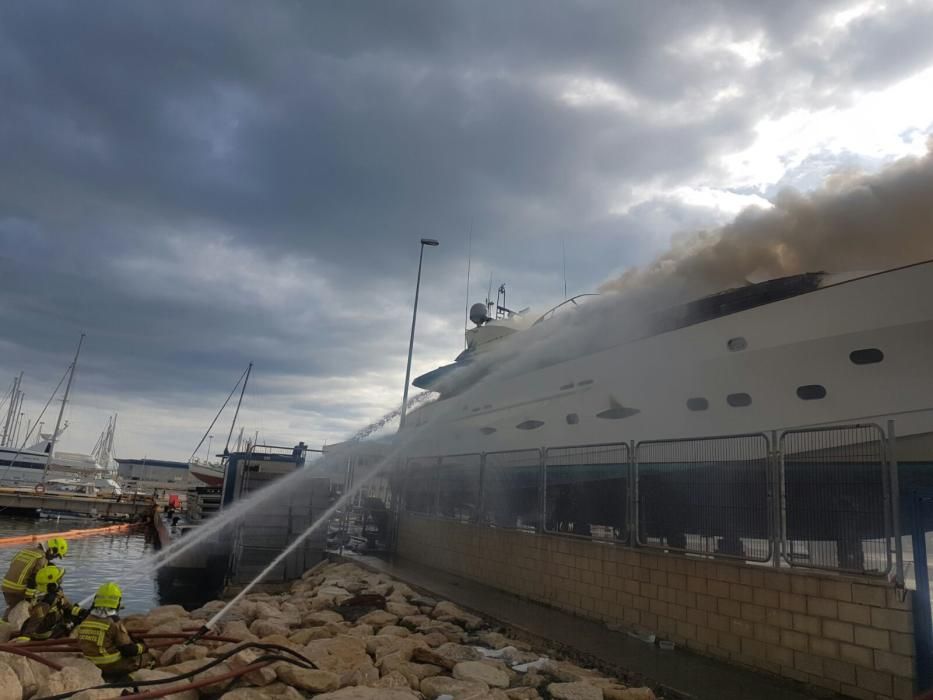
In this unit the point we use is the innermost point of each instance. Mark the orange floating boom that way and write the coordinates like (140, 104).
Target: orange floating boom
(68, 534)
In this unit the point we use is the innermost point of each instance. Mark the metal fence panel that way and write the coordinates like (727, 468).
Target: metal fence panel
(458, 493)
(836, 499)
(421, 485)
(586, 491)
(510, 489)
(705, 495)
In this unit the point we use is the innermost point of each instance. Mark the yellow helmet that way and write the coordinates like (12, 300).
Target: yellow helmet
(108, 595)
(57, 546)
(46, 576)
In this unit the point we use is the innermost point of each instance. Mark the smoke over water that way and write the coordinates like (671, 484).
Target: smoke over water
(853, 223)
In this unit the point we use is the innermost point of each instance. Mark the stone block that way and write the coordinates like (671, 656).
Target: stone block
(860, 656)
(868, 595)
(833, 629)
(836, 590)
(822, 607)
(894, 620)
(876, 681)
(895, 664)
(872, 637)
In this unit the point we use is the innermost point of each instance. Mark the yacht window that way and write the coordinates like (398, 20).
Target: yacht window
(866, 356)
(736, 344)
(572, 419)
(585, 382)
(530, 425)
(697, 403)
(739, 400)
(809, 392)
(567, 386)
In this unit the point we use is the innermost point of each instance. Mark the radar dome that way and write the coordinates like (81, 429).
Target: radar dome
(478, 313)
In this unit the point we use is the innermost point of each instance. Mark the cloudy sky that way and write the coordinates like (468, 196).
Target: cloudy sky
(197, 185)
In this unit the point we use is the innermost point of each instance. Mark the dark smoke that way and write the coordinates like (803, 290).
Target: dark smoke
(854, 223)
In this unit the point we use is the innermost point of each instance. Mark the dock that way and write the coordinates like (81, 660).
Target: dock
(30, 501)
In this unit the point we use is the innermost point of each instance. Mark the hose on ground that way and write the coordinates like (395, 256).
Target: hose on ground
(298, 660)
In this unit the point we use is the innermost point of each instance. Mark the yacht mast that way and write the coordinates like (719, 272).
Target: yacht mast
(237, 412)
(11, 410)
(61, 411)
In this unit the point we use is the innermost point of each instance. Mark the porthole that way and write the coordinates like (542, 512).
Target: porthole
(487, 431)
(736, 344)
(565, 387)
(572, 419)
(810, 392)
(697, 403)
(585, 382)
(866, 356)
(530, 425)
(739, 400)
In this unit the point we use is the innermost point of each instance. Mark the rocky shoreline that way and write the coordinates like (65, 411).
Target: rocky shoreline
(366, 635)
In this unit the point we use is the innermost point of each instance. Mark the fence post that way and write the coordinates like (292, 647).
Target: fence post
(633, 493)
(774, 500)
(542, 479)
(481, 506)
(893, 480)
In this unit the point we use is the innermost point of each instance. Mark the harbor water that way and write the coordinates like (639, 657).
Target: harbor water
(92, 560)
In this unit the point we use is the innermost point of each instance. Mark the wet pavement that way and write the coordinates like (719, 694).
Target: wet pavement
(685, 672)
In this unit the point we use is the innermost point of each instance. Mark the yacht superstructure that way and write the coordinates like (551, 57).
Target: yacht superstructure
(812, 349)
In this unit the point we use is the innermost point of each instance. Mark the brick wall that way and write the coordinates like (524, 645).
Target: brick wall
(850, 635)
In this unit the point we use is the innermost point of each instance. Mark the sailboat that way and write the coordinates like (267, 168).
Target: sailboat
(212, 473)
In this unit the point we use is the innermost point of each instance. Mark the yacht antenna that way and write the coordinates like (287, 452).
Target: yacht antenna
(61, 411)
(563, 248)
(237, 411)
(466, 305)
(211, 426)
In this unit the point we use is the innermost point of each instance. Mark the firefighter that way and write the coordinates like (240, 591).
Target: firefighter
(104, 639)
(51, 614)
(20, 581)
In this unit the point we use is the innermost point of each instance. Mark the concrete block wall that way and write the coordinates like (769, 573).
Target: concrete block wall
(850, 635)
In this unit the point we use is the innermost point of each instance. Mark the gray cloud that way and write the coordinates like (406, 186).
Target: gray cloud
(198, 185)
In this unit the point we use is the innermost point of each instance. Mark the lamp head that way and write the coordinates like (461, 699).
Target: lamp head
(429, 241)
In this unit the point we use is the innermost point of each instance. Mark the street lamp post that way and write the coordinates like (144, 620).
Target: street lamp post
(210, 439)
(411, 340)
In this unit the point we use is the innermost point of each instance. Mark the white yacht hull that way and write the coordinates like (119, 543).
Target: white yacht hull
(796, 342)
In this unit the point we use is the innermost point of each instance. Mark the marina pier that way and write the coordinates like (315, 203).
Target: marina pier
(30, 501)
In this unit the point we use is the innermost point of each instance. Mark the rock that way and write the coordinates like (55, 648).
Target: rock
(147, 674)
(309, 635)
(266, 628)
(179, 652)
(30, 673)
(361, 631)
(423, 655)
(422, 601)
(522, 694)
(619, 693)
(494, 640)
(173, 610)
(311, 680)
(277, 691)
(393, 679)
(261, 676)
(10, 687)
(413, 622)
(381, 646)
(435, 639)
(7, 631)
(574, 691)
(340, 654)
(458, 652)
(453, 632)
(437, 686)
(449, 612)
(394, 631)
(516, 656)
(18, 614)
(103, 694)
(238, 630)
(188, 666)
(320, 618)
(77, 675)
(413, 672)
(364, 693)
(484, 673)
(364, 674)
(378, 618)
(401, 609)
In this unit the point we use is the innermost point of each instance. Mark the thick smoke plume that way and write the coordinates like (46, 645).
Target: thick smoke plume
(854, 223)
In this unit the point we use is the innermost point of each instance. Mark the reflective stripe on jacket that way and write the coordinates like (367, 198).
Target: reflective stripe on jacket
(22, 572)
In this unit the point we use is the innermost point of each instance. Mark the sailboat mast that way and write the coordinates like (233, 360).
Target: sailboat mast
(238, 403)
(11, 410)
(61, 411)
